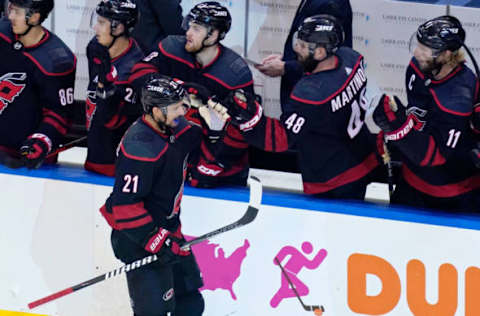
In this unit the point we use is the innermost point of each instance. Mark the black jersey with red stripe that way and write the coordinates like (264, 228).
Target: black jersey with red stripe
(225, 161)
(149, 179)
(435, 151)
(324, 121)
(36, 88)
(108, 119)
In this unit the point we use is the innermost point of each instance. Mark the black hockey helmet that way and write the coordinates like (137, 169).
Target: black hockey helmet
(322, 30)
(212, 15)
(442, 33)
(161, 91)
(44, 7)
(119, 11)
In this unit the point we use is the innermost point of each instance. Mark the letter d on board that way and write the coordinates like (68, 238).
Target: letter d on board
(358, 266)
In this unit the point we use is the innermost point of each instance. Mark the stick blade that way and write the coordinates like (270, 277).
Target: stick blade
(249, 216)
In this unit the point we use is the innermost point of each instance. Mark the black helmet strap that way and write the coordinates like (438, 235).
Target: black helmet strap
(210, 30)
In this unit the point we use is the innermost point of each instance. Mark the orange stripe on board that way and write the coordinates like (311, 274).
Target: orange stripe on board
(10, 313)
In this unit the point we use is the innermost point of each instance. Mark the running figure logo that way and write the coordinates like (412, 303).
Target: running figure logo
(296, 262)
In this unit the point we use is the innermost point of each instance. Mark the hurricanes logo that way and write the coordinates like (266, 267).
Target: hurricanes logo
(10, 88)
(418, 113)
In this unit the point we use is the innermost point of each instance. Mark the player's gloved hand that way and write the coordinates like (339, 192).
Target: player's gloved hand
(199, 91)
(215, 116)
(475, 154)
(244, 109)
(35, 149)
(101, 58)
(107, 74)
(209, 169)
(387, 114)
(165, 245)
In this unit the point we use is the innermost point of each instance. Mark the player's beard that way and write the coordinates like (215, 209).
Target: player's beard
(308, 63)
(431, 67)
(193, 48)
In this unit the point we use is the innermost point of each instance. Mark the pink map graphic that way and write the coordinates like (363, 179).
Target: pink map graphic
(218, 271)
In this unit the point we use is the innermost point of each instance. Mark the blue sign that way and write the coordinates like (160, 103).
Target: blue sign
(463, 3)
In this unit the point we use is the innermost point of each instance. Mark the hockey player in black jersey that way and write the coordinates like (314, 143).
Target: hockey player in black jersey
(336, 153)
(199, 58)
(144, 207)
(432, 133)
(37, 76)
(110, 105)
(475, 153)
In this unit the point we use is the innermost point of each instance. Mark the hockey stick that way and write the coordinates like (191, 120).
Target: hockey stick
(248, 217)
(10, 162)
(63, 147)
(387, 159)
(15, 163)
(308, 308)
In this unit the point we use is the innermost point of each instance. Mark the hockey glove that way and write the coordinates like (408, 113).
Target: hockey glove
(198, 91)
(244, 109)
(35, 149)
(390, 116)
(165, 245)
(107, 74)
(215, 117)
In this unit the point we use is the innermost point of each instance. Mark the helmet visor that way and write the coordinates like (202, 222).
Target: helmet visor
(299, 44)
(187, 20)
(93, 19)
(186, 103)
(191, 21)
(418, 49)
(15, 8)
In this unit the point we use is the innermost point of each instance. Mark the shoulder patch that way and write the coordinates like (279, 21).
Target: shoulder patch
(456, 96)
(53, 57)
(6, 29)
(125, 63)
(308, 89)
(142, 143)
(231, 70)
(173, 47)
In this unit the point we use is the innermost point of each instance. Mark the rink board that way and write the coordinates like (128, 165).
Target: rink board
(53, 237)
